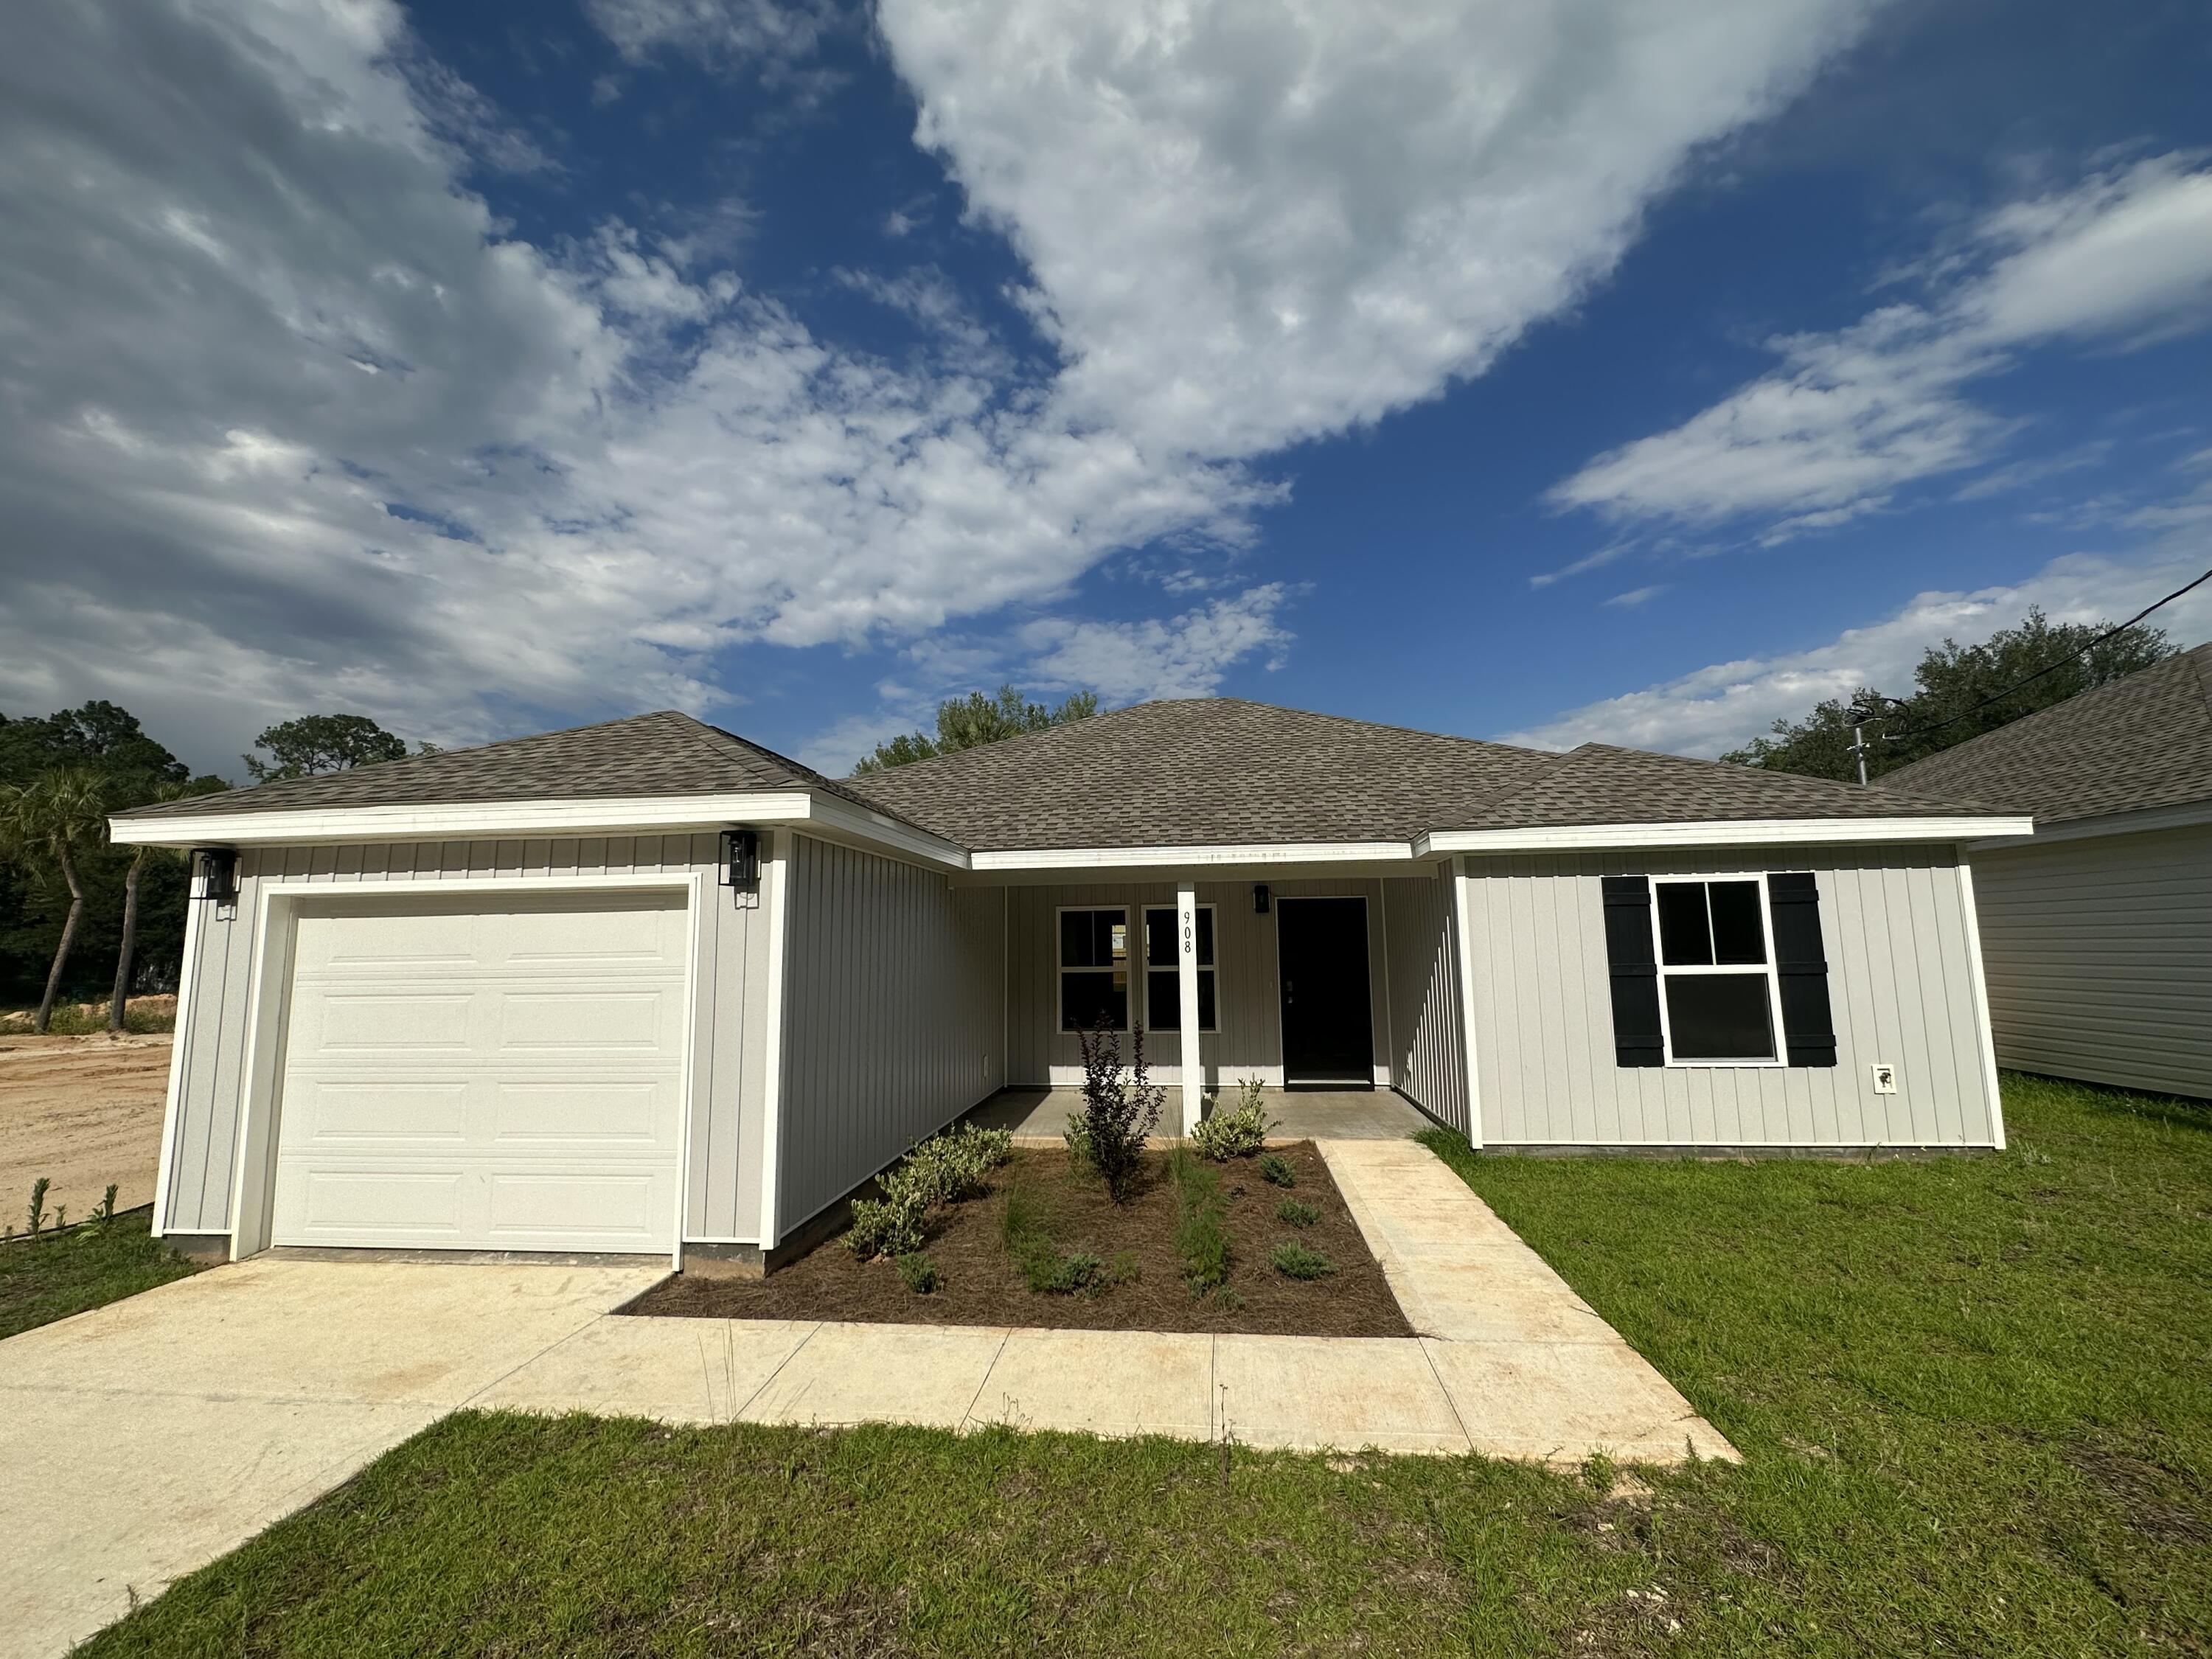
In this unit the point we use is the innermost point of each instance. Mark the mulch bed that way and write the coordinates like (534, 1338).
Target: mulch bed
(982, 1287)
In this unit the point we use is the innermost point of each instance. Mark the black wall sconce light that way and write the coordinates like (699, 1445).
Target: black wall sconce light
(1259, 901)
(741, 859)
(218, 872)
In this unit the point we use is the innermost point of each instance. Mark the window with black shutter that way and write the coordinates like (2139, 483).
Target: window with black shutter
(1718, 971)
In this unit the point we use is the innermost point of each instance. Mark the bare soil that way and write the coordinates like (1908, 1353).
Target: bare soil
(82, 1111)
(980, 1284)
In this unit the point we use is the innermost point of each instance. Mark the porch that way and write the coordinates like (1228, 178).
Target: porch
(1301, 1114)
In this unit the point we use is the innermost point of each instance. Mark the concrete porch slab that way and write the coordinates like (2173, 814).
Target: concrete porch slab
(1042, 1115)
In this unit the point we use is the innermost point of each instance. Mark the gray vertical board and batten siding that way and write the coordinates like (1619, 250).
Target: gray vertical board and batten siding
(2098, 953)
(1247, 1006)
(1893, 924)
(1428, 1058)
(727, 1054)
(893, 986)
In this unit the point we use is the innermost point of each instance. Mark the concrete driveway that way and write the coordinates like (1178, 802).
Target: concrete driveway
(143, 1439)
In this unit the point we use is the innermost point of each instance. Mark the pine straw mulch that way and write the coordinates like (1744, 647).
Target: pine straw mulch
(980, 1284)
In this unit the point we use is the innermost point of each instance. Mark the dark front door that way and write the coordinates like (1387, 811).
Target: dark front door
(1329, 1028)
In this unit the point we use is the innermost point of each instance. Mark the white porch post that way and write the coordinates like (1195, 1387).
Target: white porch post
(1194, 1067)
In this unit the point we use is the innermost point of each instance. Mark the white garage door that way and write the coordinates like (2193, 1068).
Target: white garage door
(474, 1074)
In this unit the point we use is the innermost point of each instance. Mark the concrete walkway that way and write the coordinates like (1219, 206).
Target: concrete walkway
(1508, 1361)
(143, 1439)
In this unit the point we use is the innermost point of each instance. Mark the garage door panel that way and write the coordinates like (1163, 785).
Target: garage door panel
(589, 1022)
(504, 1078)
(608, 1115)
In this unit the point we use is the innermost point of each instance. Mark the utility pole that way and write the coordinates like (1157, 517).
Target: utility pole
(1858, 749)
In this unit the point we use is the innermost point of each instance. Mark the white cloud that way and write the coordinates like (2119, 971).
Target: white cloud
(293, 420)
(1849, 418)
(1723, 706)
(1184, 656)
(1636, 596)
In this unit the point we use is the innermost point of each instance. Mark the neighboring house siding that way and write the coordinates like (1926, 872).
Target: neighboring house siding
(893, 1016)
(1899, 982)
(1428, 1057)
(728, 976)
(2099, 958)
(1249, 1011)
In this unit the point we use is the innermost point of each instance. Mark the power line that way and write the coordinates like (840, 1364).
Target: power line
(2048, 667)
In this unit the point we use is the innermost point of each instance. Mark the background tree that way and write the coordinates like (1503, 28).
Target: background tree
(56, 818)
(314, 744)
(1951, 679)
(970, 722)
(164, 790)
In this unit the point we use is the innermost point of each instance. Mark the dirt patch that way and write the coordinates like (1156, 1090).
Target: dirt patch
(2164, 1505)
(82, 1111)
(982, 1287)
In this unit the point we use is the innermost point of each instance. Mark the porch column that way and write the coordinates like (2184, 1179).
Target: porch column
(1194, 1067)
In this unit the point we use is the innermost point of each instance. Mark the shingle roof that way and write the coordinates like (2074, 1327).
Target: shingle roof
(660, 754)
(1220, 770)
(2143, 741)
(1599, 783)
(1209, 770)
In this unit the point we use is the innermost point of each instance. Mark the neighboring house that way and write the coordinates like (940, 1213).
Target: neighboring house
(2099, 935)
(537, 996)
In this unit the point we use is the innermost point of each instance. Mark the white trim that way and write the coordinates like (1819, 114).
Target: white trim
(1366, 975)
(775, 885)
(1132, 951)
(179, 1042)
(1092, 858)
(508, 820)
(1741, 832)
(1463, 888)
(2140, 821)
(1191, 1059)
(268, 986)
(1980, 983)
(1768, 967)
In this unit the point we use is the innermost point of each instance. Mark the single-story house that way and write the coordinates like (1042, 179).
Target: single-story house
(2099, 934)
(645, 986)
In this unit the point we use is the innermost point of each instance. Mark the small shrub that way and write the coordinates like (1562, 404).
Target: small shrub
(1296, 1212)
(1052, 1273)
(1107, 1136)
(1295, 1261)
(37, 1213)
(1201, 1238)
(1124, 1269)
(890, 1225)
(956, 1165)
(1276, 1171)
(918, 1273)
(1237, 1133)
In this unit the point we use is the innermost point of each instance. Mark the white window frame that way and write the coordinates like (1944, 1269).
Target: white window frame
(1781, 1057)
(1213, 967)
(1060, 971)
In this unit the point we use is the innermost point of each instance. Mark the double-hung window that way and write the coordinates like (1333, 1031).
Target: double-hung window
(1719, 998)
(1163, 981)
(1094, 967)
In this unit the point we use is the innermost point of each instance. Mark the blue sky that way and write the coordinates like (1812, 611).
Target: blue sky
(1595, 372)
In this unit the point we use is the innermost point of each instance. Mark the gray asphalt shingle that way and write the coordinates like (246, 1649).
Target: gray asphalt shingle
(2141, 742)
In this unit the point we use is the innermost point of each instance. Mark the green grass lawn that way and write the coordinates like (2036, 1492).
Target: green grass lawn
(1974, 1396)
(48, 1279)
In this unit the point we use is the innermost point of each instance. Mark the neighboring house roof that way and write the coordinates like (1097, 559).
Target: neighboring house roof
(647, 755)
(1212, 771)
(2141, 742)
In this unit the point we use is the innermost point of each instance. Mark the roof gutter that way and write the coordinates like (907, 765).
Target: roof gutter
(508, 820)
(1718, 832)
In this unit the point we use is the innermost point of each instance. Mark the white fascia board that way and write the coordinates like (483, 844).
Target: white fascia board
(509, 820)
(1719, 832)
(1098, 858)
(2144, 820)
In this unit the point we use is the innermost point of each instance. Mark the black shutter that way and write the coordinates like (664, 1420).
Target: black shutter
(1636, 1038)
(1801, 960)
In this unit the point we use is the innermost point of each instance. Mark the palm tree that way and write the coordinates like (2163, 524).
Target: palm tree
(120, 995)
(57, 815)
